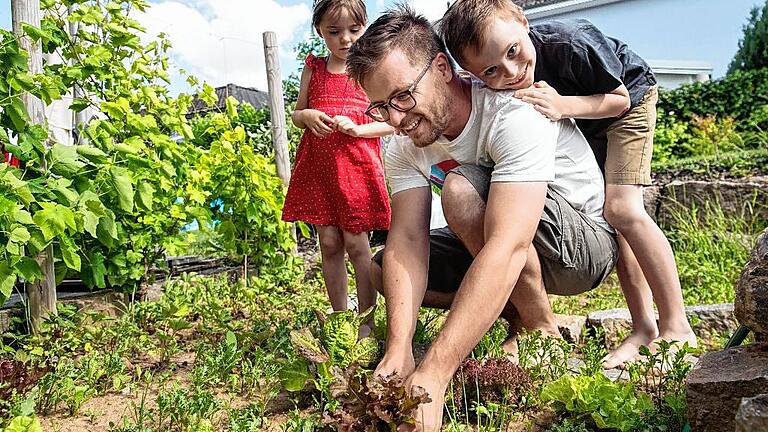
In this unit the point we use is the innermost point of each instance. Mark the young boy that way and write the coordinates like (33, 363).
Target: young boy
(569, 69)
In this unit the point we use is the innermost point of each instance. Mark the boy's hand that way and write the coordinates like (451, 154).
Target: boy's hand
(318, 122)
(345, 125)
(544, 99)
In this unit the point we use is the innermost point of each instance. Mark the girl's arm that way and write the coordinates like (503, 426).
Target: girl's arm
(301, 101)
(369, 130)
(303, 117)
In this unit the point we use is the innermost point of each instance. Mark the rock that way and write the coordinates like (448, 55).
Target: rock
(651, 197)
(616, 323)
(752, 415)
(732, 196)
(571, 326)
(752, 290)
(719, 381)
(710, 323)
(616, 374)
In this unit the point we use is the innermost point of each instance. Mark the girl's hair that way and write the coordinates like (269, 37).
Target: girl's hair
(327, 7)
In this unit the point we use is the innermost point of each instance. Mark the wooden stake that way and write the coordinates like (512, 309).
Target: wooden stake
(277, 107)
(42, 294)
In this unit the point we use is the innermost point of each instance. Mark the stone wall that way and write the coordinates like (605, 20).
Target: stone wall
(734, 196)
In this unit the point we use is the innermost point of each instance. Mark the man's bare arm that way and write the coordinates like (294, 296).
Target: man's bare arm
(405, 266)
(512, 215)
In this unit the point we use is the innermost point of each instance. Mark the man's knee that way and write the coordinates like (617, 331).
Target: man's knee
(462, 205)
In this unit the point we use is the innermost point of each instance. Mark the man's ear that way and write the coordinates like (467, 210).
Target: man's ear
(525, 23)
(443, 66)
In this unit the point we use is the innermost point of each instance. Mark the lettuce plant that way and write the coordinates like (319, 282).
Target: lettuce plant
(335, 344)
(609, 405)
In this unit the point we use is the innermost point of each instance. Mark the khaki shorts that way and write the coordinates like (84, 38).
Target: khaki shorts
(575, 253)
(628, 144)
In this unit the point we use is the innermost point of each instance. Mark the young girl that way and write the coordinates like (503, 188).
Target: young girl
(338, 181)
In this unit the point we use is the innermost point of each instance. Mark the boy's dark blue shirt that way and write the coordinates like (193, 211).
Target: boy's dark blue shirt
(577, 59)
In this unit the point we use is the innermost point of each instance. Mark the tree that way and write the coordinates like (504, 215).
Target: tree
(753, 46)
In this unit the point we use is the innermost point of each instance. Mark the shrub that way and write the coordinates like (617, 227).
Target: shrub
(738, 95)
(753, 46)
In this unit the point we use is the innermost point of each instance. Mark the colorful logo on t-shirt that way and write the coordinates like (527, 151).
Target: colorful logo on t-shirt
(439, 170)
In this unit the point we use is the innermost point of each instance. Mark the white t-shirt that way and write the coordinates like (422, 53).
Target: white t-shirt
(519, 143)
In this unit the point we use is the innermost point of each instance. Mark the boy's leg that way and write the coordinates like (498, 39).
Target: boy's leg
(646, 251)
(359, 251)
(334, 270)
(640, 302)
(625, 211)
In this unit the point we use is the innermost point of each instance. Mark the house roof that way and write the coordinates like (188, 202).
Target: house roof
(529, 4)
(535, 9)
(257, 98)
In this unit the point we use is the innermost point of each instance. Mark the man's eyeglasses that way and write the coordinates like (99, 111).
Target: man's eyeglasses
(403, 101)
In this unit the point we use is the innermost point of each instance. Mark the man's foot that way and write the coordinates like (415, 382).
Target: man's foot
(429, 416)
(364, 331)
(511, 349)
(629, 349)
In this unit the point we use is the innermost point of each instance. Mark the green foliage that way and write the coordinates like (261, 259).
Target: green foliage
(96, 204)
(247, 193)
(662, 375)
(711, 249)
(544, 357)
(753, 46)
(608, 405)
(739, 95)
(112, 205)
(24, 424)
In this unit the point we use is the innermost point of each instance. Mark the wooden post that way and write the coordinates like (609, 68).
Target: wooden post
(277, 107)
(80, 117)
(42, 294)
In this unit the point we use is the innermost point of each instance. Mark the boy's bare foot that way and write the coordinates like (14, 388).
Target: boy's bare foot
(678, 337)
(629, 348)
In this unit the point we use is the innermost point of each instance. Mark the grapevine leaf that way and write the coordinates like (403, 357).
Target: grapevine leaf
(29, 269)
(121, 181)
(20, 235)
(144, 195)
(69, 252)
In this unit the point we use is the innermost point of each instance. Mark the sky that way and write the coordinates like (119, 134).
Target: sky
(220, 41)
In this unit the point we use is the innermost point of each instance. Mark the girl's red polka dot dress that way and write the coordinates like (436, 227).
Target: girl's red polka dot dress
(337, 180)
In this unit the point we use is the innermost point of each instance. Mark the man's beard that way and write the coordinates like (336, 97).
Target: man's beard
(438, 121)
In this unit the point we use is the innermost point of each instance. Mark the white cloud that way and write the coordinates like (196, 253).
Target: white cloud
(432, 9)
(220, 41)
